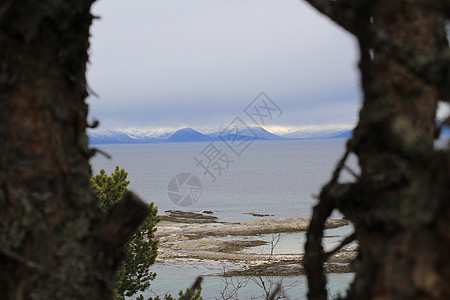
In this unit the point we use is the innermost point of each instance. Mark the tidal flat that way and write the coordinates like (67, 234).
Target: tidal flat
(263, 247)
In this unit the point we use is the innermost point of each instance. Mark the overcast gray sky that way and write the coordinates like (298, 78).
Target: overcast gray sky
(198, 63)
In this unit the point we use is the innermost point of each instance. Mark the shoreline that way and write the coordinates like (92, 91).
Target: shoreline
(200, 237)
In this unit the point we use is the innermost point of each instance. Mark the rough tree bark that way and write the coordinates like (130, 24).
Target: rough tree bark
(55, 243)
(400, 202)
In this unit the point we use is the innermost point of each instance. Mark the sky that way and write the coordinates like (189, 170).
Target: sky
(169, 64)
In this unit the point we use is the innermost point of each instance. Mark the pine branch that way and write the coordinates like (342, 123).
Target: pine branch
(344, 243)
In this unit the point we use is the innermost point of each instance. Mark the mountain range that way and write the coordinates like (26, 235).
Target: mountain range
(135, 136)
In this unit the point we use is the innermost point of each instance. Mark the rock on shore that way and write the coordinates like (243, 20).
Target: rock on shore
(182, 231)
(197, 239)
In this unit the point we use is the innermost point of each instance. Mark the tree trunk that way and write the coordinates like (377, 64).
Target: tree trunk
(399, 204)
(55, 242)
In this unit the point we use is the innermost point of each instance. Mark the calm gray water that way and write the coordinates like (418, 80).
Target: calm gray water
(270, 177)
(174, 276)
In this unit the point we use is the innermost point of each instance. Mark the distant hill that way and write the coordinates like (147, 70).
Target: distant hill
(188, 135)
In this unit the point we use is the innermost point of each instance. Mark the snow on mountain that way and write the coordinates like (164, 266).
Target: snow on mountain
(147, 133)
(264, 134)
(105, 136)
(320, 133)
(252, 131)
(139, 136)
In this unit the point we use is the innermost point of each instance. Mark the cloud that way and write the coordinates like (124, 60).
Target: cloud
(200, 62)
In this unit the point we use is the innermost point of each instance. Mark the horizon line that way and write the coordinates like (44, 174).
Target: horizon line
(276, 129)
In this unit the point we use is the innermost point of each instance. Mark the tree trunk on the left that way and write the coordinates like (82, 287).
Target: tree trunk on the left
(55, 243)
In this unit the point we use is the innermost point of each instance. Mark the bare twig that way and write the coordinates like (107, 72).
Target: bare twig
(275, 239)
(353, 173)
(275, 292)
(96, 150)
(231, 285)
(94, 124)
(344, 243)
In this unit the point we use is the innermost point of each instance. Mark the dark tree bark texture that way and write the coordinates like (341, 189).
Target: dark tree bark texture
(400, 202)
(55, 242)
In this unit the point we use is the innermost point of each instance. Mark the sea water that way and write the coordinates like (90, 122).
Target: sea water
(278, 179)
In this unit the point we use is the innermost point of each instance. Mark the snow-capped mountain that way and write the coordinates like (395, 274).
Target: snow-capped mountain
(320, 133)
(108, 137)
(147, 133)
(137, 136)
(252, 132)
(264, 134)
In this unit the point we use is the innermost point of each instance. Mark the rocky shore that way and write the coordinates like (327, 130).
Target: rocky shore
(195, 236)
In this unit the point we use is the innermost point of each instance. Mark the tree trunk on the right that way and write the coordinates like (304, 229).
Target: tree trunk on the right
(400, 202)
